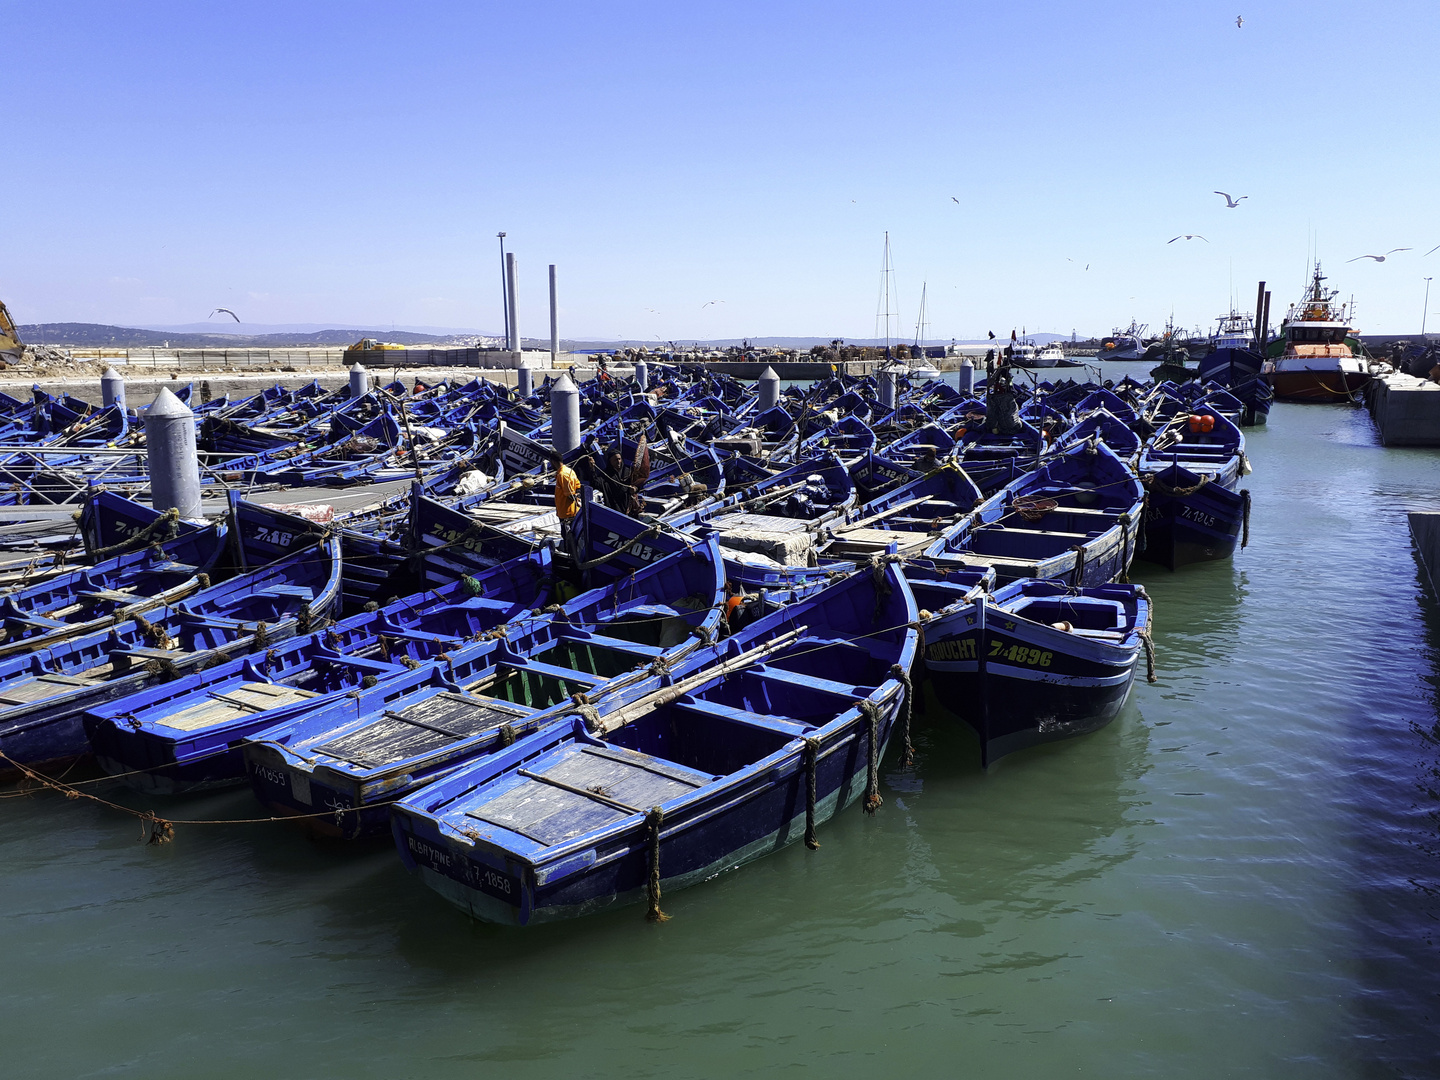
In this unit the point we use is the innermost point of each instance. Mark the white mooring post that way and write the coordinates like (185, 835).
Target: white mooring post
(642, 374)
(359, 381)
(174, 465)
(525, 380)
(886, 376)
(967, 375)
(769, 389)
(564, 415)
(112, 389)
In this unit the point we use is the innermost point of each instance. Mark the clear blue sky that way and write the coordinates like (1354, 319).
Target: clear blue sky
(352, 162)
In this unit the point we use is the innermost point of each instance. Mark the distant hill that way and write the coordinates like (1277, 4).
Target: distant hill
(95, 335)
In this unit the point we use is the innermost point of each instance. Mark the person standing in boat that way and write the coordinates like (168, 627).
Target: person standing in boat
(567, 504)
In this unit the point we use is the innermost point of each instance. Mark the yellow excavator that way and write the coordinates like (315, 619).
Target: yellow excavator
(10, 344)
(370, 344)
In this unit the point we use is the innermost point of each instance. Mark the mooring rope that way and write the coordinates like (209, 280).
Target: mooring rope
(1245, 519)
(812, 764)
(872, 800)
(907, 751)
(653, 821)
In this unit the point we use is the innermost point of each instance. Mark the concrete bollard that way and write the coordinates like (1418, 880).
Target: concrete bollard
(525, 380)
(112, 389)
(967, 375)
(886, 377)
(564, 415)
(359, 381)
(173, 463)
(769, 389)
(642, 374)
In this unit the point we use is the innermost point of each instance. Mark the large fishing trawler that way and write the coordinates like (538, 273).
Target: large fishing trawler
(1316, 357)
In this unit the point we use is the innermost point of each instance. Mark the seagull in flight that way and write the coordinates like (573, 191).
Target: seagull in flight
(1432, 251)
(709, 302)
(1231, 204)
(1379, 258)
(954, 200)
(226, 310)
(1188, 236)
(1239, 21)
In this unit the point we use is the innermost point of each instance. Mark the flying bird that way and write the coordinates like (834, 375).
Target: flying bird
(1432, 251)
(1378, 258)
(1239, 20)
(709, 302)
(226, 310)
(1188, 236)
(954, 200)
(1231, 204)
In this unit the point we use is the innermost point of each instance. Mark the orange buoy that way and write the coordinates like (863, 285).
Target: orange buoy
(1207, 423)
(1193, 422)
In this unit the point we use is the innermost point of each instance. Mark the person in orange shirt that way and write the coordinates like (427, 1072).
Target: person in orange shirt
(567, 489)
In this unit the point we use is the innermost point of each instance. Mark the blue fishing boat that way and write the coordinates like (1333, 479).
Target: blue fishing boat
(1191, 470)
(1076, 518)
(783, 728)
(45, 691)
(354, 757)
(1035, 662)
(186, 734)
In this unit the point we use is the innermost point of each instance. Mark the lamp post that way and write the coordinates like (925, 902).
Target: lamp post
(504, 291)
(1426, 312)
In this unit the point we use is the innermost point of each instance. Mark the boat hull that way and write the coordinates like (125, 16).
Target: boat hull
(738, 823)
(1202, 526)
(1318, 386)
(1020, 684)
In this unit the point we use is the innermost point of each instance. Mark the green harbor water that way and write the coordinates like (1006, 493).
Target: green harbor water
(1238, 877)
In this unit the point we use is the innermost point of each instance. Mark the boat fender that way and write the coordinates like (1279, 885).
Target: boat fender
(1065, 626)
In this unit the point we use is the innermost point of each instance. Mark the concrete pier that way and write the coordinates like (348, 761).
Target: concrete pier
(1406, 410)
(1425, 528)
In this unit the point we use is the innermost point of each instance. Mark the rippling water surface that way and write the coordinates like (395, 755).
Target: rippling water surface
(1236, 878)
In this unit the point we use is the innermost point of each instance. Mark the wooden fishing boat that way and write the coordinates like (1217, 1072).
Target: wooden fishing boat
(1191, 470)
(776, 734)
(1035, 662)
(186, 734)
(45, 691)
(1075, 518)
(355, 757)
(115, 589)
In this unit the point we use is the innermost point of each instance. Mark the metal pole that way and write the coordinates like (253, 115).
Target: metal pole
(512, 328)
(564, 415)
(172, 462)
(1265, 323)
(1426, 311)
(554, 333)
(504, 287)
(1259, 317)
